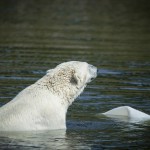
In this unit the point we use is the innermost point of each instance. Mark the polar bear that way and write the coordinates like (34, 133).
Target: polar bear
(44, 104)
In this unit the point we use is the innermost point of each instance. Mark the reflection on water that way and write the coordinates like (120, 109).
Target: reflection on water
(41, 140)
(112, 35)
(15, 140)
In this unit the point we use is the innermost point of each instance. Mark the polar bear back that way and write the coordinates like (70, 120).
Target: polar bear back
(30, 109)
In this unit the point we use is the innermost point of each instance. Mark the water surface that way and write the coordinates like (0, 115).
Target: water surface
(112, 35)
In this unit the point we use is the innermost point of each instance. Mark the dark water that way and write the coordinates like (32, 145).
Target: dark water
(113, 35)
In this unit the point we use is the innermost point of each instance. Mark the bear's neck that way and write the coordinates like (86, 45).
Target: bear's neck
(62, 88)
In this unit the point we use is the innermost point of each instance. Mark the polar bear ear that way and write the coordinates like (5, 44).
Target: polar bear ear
(49, 71)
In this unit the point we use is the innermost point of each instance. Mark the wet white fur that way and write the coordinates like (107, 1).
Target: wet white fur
(44, 104)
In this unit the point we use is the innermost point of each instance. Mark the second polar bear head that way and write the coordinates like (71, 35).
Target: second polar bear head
(69, 79)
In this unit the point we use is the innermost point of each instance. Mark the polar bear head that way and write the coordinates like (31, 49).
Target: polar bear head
(68, 79)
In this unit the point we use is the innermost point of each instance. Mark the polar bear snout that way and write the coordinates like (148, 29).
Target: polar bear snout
(92, 72)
